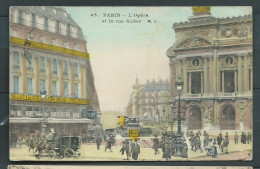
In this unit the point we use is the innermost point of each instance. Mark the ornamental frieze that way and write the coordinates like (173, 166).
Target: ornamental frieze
(198, 32)
(194, 42)
(228, 61)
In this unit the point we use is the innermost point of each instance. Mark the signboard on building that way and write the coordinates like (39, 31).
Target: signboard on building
(91, 114)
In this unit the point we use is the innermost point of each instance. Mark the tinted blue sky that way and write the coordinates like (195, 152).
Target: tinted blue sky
(120, 52)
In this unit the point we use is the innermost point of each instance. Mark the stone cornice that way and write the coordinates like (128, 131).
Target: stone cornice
(212, 21)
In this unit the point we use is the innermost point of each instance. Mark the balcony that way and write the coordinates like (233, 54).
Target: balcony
(17, 67)
(55, 72)
(65, 74)
(43, 70)
(76, 75)
(30, 69)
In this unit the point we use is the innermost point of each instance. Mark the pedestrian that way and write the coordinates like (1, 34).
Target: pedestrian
(219, 140)
(184, 149)
(236, 138)
(98, 141)
(191, 133)
(249, 137)
(109, 144)
(243, 138)
(213, 151)
(122, 150)
(167, 149)
(156, 145)
(224, 146)
(226, 136)
(127, 148)
(198, 144)
(135, 150)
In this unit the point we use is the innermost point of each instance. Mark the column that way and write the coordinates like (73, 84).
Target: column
(201, 82)
(189, 82)
(49, 81)
(205, 75)
(82, 84)
(218, 76)
(246, 74)
(60, 62)
(223, 82)
(185, 85)
(239, 78)
(71, 79)
(251, 81)
(214, 74)
(235, 81)
(24, 86)
(37, 75)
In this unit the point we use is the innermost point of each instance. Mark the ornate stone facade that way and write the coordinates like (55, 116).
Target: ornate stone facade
(213, 57)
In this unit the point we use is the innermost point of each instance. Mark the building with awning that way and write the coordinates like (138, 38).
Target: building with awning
(51, 79)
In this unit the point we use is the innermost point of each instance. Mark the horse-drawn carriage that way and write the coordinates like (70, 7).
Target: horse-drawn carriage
(61, 147)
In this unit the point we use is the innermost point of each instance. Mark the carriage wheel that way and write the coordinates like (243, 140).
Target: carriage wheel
(52, 153)
(43, 154)
(69, 153)
(80, 153)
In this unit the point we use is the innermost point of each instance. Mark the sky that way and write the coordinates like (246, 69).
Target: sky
(121, 52)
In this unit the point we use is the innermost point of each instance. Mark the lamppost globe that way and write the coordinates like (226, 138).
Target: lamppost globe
(179, 88)
(43, 96)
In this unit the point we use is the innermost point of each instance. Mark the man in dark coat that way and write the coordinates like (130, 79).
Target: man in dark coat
(135, 150)
(219, 140)
(243, 138)
(236, 138)
(184, 149)
(167, 149)
(98, 141)
(156, 145)
(249, 138)
(109, 144)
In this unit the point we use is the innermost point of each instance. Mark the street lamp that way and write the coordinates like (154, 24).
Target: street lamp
(173, 108)
(179, 139)
(44, 118)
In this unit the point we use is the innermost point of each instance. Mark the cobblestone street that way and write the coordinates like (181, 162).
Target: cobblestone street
(236, 151)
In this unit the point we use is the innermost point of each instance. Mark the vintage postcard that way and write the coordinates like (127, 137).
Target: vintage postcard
(131, 83)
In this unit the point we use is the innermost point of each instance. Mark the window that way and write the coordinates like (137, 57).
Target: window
(66, 90)
(76, 90)
(229, 81)
(75, 46)
(42, 39)
(42, 85)
(65, 44)
(29, 86)
(42, 64)
(68, 30)
(21, 17)
(54, 42)
(76, 70)
(15, 33)
(15, 84)
(46, 24)
(33, 20)
(65, 68)
(16, 63)
(195, 82)
(54, 66)
(54, 88)
(29, 62)
(57, 27)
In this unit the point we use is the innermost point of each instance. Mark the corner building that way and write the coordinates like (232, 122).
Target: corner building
(213, 57)
(48, 53)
